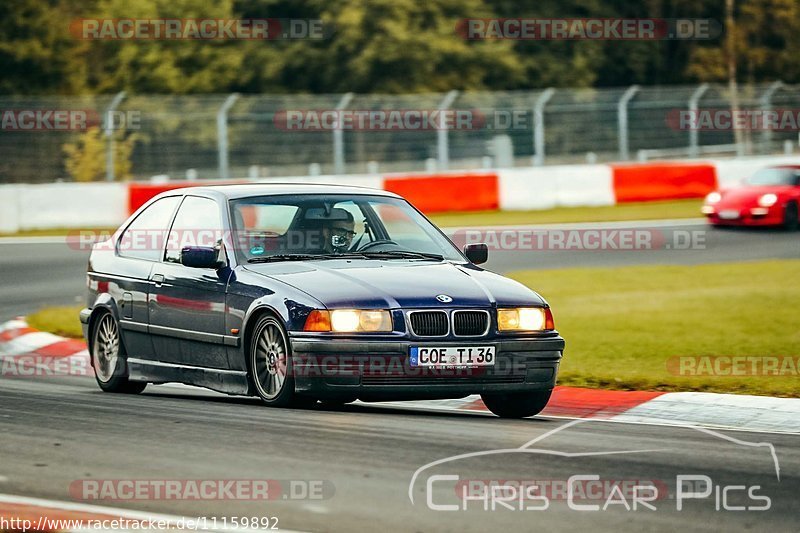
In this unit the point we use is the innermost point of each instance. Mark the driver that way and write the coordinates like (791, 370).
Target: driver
(338, 231)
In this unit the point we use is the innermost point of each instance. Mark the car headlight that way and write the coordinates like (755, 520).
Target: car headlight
(713, 197)
(525, 319)
(767, 200)
(349, 320)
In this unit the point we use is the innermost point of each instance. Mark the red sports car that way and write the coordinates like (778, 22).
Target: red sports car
(767, 198)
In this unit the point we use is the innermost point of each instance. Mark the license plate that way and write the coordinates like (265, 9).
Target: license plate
(447, 356)
(729, 215)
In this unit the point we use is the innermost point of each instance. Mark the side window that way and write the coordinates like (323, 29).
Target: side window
(144, 237)
(198, 223)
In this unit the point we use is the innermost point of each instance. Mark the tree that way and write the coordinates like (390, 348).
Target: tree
(37, 53)
(86, 158)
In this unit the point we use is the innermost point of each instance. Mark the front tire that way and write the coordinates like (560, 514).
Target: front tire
(109, 358)
(271, 365)
(790, 217)
(517, 404)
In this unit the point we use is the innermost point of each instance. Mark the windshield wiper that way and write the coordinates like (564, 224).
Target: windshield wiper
(388, 254)
(402, 254)
(289, 257)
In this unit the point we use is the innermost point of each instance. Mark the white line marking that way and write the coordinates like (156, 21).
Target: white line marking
(44, 239)
(589, 225)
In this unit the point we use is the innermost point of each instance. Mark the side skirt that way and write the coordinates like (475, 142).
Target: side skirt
(156, 372)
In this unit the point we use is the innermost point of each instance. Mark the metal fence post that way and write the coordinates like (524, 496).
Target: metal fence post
(766, 104)
(109, 134)
(694, 99)
(338, 135)
(538, 125)
(222, 135)
(622, 121)
(443, 149)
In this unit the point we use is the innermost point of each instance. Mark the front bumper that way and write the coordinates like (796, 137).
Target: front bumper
(375, 370)
(745, 216)
(84, 316)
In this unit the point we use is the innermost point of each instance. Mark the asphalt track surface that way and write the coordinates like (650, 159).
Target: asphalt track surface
(56, 431)
(46, 271)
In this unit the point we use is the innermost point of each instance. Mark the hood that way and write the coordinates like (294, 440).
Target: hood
(398, 284)
(750, 194)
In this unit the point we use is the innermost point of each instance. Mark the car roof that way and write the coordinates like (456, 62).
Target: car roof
(244, 190)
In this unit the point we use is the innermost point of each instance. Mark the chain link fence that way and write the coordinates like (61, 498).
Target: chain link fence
(234, 136)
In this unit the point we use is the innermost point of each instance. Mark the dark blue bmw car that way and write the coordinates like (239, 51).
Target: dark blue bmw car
(300, 293)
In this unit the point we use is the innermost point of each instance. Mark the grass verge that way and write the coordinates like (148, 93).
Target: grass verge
(56, 232)
(624, 326)
(58, 320)
(564, 215)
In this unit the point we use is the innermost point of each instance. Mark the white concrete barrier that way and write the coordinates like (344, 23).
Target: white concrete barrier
(9, 208)
(532, 188)
(374, 181)
(523, 189)
(583, 185)
(72, 205)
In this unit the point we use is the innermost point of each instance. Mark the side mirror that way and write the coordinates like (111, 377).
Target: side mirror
(200, 257)
(477, 253)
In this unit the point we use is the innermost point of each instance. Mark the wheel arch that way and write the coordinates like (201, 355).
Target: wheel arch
(253, 316)
(104, 304)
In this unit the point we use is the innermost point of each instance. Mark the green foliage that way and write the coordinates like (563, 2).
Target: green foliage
(392, 46)
(86, 157)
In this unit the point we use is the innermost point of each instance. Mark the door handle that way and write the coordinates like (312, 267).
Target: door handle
(158, 279)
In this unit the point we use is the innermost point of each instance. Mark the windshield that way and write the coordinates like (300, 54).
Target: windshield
(314, 226)
(774, 176)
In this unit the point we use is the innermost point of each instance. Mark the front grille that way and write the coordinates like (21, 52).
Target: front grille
(429, 323)
(470, 323)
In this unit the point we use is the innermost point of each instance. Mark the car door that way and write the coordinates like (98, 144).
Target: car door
(139, 248)
(187, 305)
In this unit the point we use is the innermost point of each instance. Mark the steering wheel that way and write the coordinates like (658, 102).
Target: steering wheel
(374, 244)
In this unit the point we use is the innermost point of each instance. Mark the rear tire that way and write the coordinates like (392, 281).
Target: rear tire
(518, 404)
(109, 359)
(790, 217)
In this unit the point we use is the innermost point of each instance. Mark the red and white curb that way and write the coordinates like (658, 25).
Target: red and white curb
(19, 342)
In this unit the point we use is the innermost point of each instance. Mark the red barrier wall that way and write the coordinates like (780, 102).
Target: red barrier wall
(140, 193)
(663, 181)
(449, 192)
